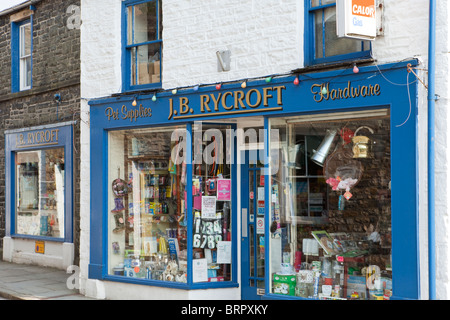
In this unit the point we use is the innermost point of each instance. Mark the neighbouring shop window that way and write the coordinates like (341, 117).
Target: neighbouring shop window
(330, 231)
(324, 45)
(143, 43)
(39, 197)
(147, 220)
(211, 202)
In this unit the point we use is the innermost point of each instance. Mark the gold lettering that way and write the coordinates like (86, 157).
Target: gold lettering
(216, 101)
(224, 97)
(248, 98)
(266, 96)
(204, 100)
(170, 108)
(238, 97)
(279, 94)
(184, 107)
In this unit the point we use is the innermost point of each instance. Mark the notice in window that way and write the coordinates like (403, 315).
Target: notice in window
(208, 207)
(199, 270)
(224, 252)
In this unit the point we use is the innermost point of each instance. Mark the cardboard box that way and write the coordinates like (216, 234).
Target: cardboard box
(155, 78)
(284, 284)
(143, 74)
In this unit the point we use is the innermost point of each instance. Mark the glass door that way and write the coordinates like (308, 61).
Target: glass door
(252, 233)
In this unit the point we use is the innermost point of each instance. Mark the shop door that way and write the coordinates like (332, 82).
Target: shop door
(252, 232)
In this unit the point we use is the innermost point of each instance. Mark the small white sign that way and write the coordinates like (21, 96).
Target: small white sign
(259, 225)
(356, 19)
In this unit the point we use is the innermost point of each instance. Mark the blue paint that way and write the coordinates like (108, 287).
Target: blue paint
(310, 38)
(15, 53)
(296, 100)
(431, 152)
(65, 140)
(126, 48)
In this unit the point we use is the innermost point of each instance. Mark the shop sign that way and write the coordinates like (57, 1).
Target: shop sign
(228, 103)
(356, 19)
(126, 113)
(37, 138)
(322, 91)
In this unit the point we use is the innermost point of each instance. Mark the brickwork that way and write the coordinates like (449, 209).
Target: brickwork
(56, 70)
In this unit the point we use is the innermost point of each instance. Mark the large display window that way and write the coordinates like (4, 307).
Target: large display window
(147, 204)
(160, 181)
(40, 193)
(330, 232)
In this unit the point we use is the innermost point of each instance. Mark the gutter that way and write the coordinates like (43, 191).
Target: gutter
(431, 152)
(19, 6)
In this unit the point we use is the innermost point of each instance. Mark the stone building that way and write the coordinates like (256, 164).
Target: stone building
(40, 103)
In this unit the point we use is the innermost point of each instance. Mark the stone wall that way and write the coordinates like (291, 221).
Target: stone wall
(56, 70)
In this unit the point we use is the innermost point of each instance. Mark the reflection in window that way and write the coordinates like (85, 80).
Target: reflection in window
(325, 42)
(147, 233)
(144, 31)
(331, 209)
(40, 193)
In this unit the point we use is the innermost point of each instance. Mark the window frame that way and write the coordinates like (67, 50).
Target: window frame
(127, 48)
(65, 138)
(18, 77)
(310, 37)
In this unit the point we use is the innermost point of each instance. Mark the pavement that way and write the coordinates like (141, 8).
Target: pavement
(29, 282)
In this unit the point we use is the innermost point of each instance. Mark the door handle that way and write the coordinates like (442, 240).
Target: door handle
(244, 222)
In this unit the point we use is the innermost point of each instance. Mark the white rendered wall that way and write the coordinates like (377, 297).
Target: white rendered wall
(406, 36)
(264, 38)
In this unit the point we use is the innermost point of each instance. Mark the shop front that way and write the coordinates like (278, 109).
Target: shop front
(291, 187)
(39, 196)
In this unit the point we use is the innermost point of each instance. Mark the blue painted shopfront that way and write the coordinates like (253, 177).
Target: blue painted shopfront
(386, 86)
(36, 139)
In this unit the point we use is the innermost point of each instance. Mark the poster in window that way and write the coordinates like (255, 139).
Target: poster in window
(224, 189)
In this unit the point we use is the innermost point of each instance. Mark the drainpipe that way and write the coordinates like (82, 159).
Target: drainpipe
(431, 152)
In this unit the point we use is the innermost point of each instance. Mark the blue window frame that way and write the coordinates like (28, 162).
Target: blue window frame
(21, 55)
(39, 183)
(142, 44)
(321, 42)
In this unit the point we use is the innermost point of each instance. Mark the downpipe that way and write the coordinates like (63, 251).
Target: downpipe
(431, 153)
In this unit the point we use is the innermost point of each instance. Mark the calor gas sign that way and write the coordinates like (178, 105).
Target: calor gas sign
(356, 19)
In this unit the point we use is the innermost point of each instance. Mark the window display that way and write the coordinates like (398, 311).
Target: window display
(147, 204)
(330, 207)
(211, 203)
(40, 193)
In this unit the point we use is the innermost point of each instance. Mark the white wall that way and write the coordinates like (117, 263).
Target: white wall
(406, 35)
(266, 38)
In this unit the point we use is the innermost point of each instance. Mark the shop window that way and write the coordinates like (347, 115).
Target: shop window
(321, 42)
(40, 193)
(211, 203)
(330, 231)
(149, 205)
(21, 55)
(142, 44)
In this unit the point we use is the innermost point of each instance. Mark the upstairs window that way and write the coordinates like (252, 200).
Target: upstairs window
(21, 54)
(142, 44)
(321, 42)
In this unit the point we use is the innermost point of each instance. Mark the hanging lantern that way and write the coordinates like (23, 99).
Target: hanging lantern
(362, 146)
